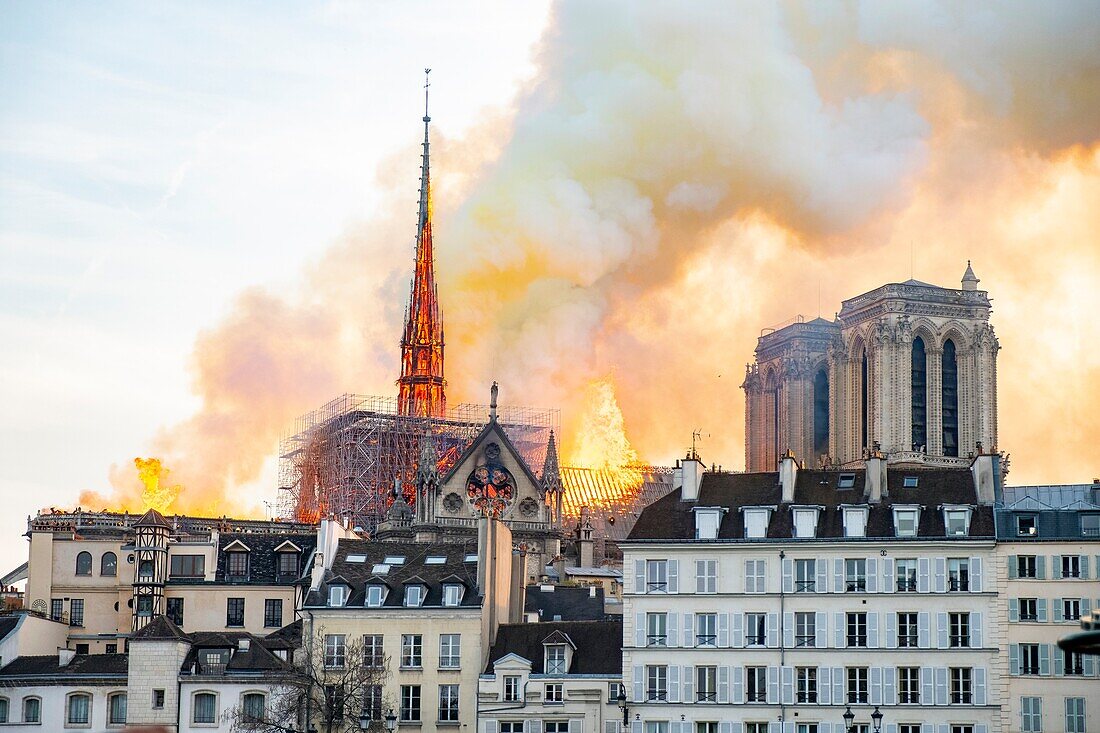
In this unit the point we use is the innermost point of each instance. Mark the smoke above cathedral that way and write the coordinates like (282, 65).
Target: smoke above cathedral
(677, 178)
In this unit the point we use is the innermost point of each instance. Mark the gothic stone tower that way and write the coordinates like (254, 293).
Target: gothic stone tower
(909, 367)
(421, 386)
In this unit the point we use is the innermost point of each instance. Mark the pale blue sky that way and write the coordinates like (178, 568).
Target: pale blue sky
(156, 158)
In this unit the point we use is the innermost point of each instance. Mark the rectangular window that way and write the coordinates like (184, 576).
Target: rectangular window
(906, 575)
(706, 684)
(76, 612)
(755, 581)
(958, 521)
(1031, 710)
(1090, 527)
(857, 629)
(857, 684)
(57, 609)
(205, 708)
(846, 481)
(374, 596)
(555, 659)
(144, 605)
(805, 576)
(412, 650)
(335, 650)
(1075, 715)
(706, 727)
(372, 702)
(1025, 525)
(806, 684)
(158, 699)
(855, 575)
(656, 576)
(756, 523)
(1029, 609)
(756, 684)
(614, 689)
(448, 703)
(273, 612)
(236, 564)
(908, 685)
(806, 728)
(174, 610)
(450, 650)
(756, 728)
(962, 691)
(656, 626)
(288, 564)
(805, 629)
(907, 630)
(511, 688)
(855, 522)
(656, 682)
(755, 629)
(1029, 659)
(410, 703)
(334, 701)
(962, 729)
(1026, 566)
(187, 566)
(1073, 664)
(553, 692)
(706, 629)
(560, 726)
(452, 594)
(110, 648)
(1071, 566)
(805, 522)
(234, 612)
(909, 728)
(414, 594)
(1071, 609)
(116, 709)
(372, 651)
(958, 574)
(905, 522)
(706, 576)
(959, 630)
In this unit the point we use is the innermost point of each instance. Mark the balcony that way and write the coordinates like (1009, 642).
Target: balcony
(809, 640)
(907, 585)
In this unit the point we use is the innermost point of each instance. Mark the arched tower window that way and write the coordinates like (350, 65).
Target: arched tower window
(821, 413)
(84, 563)
(108, 564)
(920, 394)
(950, 400)
(863, 407)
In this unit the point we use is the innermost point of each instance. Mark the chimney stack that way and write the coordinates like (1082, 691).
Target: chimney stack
(691, 470)
(788, 475)
(986, 470)
(64, 656)
(875, 487)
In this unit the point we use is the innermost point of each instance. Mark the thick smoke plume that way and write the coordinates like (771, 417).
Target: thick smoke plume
(680, 176)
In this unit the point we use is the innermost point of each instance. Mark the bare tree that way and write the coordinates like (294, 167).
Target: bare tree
(334, 682)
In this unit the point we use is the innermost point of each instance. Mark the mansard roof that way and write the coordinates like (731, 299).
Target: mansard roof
(263, 556)
(564, 603)
(598, 645)
(49, 667)
(671, 518)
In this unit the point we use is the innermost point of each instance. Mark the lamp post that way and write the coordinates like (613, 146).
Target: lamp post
(621, 702)
(391, 721)
(850, 720)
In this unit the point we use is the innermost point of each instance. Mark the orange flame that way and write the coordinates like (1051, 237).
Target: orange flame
(157, 493)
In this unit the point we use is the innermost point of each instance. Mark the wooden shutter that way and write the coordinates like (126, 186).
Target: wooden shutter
(788, 575)
(639, 576)
(821, 569)
(923, 574)
(940, 585)
(872, 575)
(889, 572)
(673, 576)
(976, 579)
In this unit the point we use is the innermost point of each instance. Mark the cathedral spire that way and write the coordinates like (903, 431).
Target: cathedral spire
(421, 386)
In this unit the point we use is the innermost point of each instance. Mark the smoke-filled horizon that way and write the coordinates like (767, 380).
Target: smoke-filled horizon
(673, 181)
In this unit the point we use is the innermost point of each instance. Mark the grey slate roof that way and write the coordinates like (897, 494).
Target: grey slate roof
(670, 518)
(262, 560)
(89, 665)
(563, 603)
(598, 645)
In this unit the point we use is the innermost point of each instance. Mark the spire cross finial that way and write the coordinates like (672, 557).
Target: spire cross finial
(427, 84)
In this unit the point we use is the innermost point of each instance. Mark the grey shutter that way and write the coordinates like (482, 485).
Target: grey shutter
(941, 630)
(889, 568)
(1084, 567)
(1058, 605)
(1089, 664)
(788, 726)
(927, 728)
(1041, 609)
(1013, 567)
(1059, 661)
(824, 688)
(838, 575)
(891, 728)
(1086, 606)
(788, 575)
(726, 727)
(788, 630)
(821, 640)
(700, 567)
(1056, 566)
(639, 576)
(891, 630)
(976, 630)
(979, 686)
(923, 573)
(773, 685)
(876, 685)
(737, 638)
(944, 728)
(639, 691)
(636, 727)
(941, 575)
(927, 688)
(1013, 609)
(940, 677)
(639, 630)
(738, 694)
(724, 629)
(838, 630)
(491, 726)
(674, 683)
(673, 576)
(975, 575)
(1044, 660)
(889, 686)
(673, 629)
(774, 727)
(723, 684)
(1041, 567)
(872, 630)
(872, 575)
(771, 631)
(689, 630)
(821, 570)
(981, 728)
(576, 725)
(838, 685)
(688, 681)
(611, 726)
(924, 633)
(1014, 659)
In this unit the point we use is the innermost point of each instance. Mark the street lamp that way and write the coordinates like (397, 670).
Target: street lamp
(391, 721)
(621, 702)
(849, 719)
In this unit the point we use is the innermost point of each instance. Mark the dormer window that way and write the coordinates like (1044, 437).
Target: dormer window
(288, 564)
(376, 594)
(906, 520)
(1026, 525)
(414, 596)
(452, 594)
(846, 481)
(855, 521)
(1090, 525)
(707, 521)
(910, 482)
(555, 659)
(956, 520)
(756, 521)
(337, 595)
(236, 565)
(805, 521)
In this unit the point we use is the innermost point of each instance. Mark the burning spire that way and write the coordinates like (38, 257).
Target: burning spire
(421, 386)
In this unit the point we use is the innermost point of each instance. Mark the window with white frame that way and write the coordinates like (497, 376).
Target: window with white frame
(755, 629)
(373, 656)
(706, 683)
(656, 628)
(857, 629)
(1073, 664)
(706, 629)
(755, 578)
(414, 596)
(410, 703)
(412, 650)
(756, 522)
(708, 726)
(806, 728)
(805, 575)
(959, 623)
(32, 710)
(907, 630)
(855, 521)
(656, 576)
(805, 629)
(335, 650)
(1090, 525)
(556, 726)
(375, 595)
(957, 521)
(806, 684)
(962, 686)
(553, 692)
(1075, 715)
(1031, 710)
(846, 481)
(756, 684)
(855, 575)
(706, 576)
(337, 594)
(511, 688)
(906, 569)
(450, 650)
(614, 689)
(707, 521)
(335, 701)
(448, 703)
(1071, 609)
(204, 707)
(805, 522)
(1029, 659)
(372, 703)
(908, 685)
(656, 726)
(452, 594)
(857, 685)
(656, 682)
(958, 574)
(1026, 566)
(555, 659)
(1026, 525)
(1071, 566)
(906, 520)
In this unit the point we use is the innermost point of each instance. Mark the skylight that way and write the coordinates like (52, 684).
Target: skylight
(380, 569)
(394, 560)
(356, 558)
(471, 558)
(846, 481)
(434, 560)
(910, 482)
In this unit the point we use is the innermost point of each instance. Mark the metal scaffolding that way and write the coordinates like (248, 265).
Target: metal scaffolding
(344, 457)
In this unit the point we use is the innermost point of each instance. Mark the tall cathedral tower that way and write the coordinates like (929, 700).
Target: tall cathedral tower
(421, 386)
